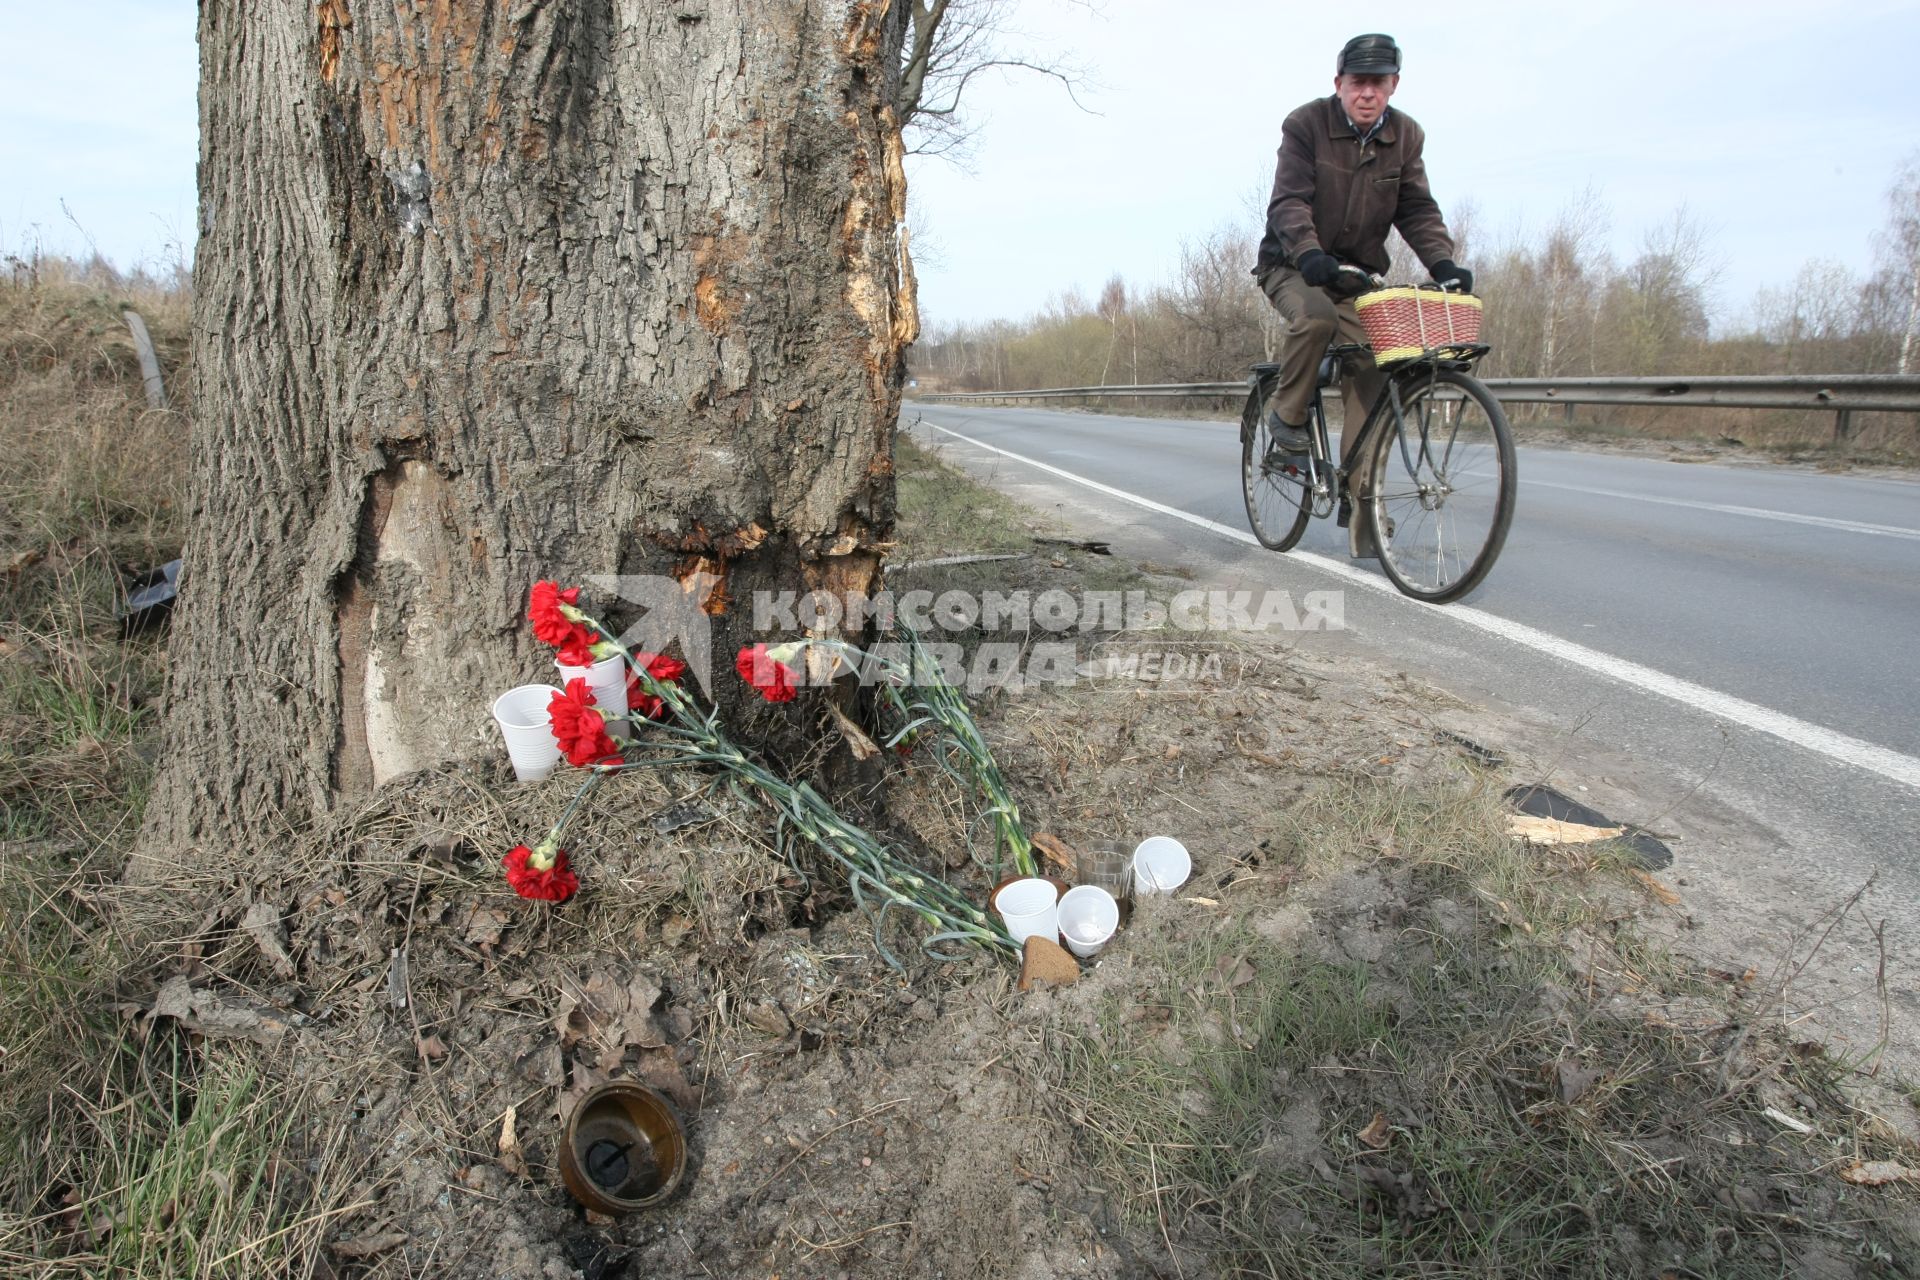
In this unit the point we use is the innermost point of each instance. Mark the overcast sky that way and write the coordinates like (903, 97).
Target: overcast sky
(1778, 124)
(97, 109)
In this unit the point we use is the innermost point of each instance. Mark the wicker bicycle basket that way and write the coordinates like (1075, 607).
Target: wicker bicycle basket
(1404, 323)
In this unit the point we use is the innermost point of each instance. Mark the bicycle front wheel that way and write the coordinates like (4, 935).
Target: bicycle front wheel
(1443, 485)
(1279, 499)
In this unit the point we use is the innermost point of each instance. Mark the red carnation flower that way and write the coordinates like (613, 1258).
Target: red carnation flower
(577, 649)
(550, 625)
(773, 680)
(661, 667)
(578, 725)
(552, 884)
(664, 670)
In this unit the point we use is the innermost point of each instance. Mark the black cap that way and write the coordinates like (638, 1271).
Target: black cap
(1369, 55)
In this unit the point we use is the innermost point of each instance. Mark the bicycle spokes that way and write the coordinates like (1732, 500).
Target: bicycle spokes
(1442, 487)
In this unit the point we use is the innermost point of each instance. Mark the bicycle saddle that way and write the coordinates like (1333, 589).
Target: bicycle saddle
(1330, 363)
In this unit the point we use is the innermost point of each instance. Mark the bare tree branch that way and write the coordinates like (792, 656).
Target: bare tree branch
(951, 42)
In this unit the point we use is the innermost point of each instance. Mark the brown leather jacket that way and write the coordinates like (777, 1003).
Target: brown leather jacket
(1332, 192)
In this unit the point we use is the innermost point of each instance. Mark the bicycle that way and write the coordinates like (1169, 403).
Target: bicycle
(1436, 443)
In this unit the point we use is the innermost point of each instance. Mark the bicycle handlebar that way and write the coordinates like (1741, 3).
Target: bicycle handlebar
(1362, 280)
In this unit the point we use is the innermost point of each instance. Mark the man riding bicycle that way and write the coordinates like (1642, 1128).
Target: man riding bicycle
(1350, 170)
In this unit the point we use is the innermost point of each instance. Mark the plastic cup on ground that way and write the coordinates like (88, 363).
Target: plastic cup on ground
(522, 716)
(1030, 908)
(1160, 865)
(1088, 917)
(608, 680)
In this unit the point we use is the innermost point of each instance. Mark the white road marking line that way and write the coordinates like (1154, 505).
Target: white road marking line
(1758, 513)
(1835, 746)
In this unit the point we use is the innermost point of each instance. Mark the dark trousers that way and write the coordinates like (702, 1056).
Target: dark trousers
(1313, 322)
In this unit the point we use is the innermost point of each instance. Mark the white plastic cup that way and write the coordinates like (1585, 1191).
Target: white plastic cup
(1031, 908)
(608, 680)
(1088, 917)
(522, 716)
(1160, 865)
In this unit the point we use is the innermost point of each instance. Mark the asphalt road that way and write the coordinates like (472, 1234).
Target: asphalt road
(1735, 644)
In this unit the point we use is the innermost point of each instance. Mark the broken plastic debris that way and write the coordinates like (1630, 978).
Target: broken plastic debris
(150, 597)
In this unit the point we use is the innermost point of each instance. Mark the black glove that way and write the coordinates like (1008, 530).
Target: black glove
(1318, 267)
(1444, 272)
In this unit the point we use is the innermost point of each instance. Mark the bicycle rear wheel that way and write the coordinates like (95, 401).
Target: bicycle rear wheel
(1443, 485)
(1279, 499)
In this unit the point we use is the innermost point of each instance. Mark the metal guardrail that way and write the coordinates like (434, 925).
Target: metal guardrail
(1842, 394)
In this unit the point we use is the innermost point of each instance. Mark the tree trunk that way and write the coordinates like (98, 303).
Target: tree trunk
(493, 292)
(1910, 339)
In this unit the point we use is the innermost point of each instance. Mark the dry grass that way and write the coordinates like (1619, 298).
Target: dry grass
(122, 1155)
(82, 457)
(1465, 1103)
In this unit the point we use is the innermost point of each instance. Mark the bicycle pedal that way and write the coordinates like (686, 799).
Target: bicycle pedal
(1345, 516)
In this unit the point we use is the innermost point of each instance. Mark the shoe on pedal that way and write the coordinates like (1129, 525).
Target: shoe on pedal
(1287, 440)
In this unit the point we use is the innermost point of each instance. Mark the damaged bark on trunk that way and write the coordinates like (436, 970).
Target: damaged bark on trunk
(492, 292)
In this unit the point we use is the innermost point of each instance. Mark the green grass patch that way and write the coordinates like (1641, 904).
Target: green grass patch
(944, 513)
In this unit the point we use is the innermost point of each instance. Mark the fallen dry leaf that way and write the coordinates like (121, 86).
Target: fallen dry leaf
(585, 1077)
(606, 1015)
(368, 1246)
(484, 926)
(1377, 1133)
(431, 1047)
(1233, 972)
(205, 1012)
(769, 1019)
(661, 1069)
(1656, 888)
(445, 849)
(1057, 853)
(512, 1159)
(1553, 831)
(262, 923)
(1173, 751)
(1575, 1080)
(1878, 1173)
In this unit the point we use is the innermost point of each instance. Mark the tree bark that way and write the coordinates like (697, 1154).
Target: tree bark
(493, 292)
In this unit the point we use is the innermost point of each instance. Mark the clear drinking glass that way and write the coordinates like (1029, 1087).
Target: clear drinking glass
(1112, 870)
